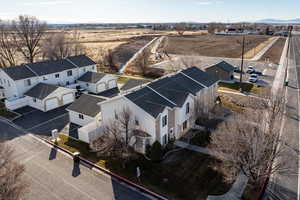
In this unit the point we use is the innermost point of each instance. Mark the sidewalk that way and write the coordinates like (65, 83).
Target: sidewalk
(264, 50)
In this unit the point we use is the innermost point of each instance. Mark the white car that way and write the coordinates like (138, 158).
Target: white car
(253, 78)
(250, 70)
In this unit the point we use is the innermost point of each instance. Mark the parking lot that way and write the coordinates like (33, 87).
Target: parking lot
(204, 61)
(42, 123)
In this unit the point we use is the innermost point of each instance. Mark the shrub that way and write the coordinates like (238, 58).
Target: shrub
(156, 153)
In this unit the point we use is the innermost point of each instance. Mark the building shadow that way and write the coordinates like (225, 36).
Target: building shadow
(76, 169)
(53, 153)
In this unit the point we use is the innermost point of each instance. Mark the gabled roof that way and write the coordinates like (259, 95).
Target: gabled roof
(109, 93)
(224, 66)
(50, 67)
(19, 72)
(91, 77)
(200, 76)
(41, 91)
(81, 60)
(87, 105)
(149, 101)
(47, 67)
(171, 91)
(132, 83)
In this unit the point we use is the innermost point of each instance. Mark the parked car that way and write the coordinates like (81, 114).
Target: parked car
(258, 73)
(253, 78)
(250, 70)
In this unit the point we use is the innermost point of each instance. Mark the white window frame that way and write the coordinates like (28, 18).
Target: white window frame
(81, 116)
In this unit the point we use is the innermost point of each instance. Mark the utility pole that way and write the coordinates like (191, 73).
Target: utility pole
(242, 63)
(290, 29)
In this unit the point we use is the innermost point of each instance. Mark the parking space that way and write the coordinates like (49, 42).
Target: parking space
(42, 123)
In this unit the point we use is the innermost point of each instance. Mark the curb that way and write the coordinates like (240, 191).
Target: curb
(120, 178)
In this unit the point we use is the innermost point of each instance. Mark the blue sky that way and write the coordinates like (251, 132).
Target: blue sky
(72, 11)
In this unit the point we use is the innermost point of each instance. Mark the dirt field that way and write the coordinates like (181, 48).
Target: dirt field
(212, 45)
(123, 42)
(274, 53)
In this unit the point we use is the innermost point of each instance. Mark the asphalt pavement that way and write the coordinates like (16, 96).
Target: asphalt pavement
(52, 175)
(283, 186)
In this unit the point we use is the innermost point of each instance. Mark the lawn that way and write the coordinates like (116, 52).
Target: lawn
(6, 113)
(237, 86)
(199, 173)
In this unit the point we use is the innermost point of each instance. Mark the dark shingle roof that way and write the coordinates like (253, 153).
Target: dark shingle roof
(50, 67)
(19, 72)
(87, 105)
(91, 77)
(110, 93)
(47, 67)
(171, 90)
(224, 66)
(41, 91)
(200, 76)
(81, 60)
(149, 101)
(131, 83)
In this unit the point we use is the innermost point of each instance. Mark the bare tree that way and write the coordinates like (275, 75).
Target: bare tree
(78, 48)
(28, 34)
(106, 59)
(8, 49)
(116, 135)
(251, 142)
(12, 184)
(56, 46)
(143, 62)
(180, 28)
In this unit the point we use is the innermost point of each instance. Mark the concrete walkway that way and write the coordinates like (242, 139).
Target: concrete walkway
(264, 50)
(195, 148)
(236, 192)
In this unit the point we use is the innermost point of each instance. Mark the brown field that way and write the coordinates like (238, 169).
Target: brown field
(120, 40)
(273, 55)
(212, 45)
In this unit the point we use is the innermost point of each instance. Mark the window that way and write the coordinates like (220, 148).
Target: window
(1, 81)
(28, 82)
(116, 116)
(8, 83)
(93, 68)
(165, 139)
(67, 83)
(56, 75)
(184, 126)
(69, 73)
(87, 85)
(34, 99)
(45, 78)
(81, 116)
(84, 69)
(137, 123)
(187, 108)
(164, 121)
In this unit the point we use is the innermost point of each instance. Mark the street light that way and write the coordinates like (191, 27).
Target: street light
(242, 43)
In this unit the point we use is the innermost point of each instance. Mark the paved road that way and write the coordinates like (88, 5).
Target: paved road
(53, 176)
(287, 187)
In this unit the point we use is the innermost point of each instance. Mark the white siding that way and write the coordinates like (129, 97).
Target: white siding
(146, 121)
(18, 88)
(38, 104)
(74, 118)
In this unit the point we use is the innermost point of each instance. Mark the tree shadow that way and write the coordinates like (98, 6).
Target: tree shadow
(53, 153)
(76, 169)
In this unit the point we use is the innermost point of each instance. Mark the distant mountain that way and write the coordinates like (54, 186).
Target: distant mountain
(280, 21)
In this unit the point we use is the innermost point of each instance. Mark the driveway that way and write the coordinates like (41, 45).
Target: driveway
(42, 123)
(52, 175)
